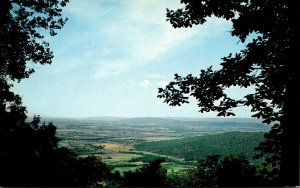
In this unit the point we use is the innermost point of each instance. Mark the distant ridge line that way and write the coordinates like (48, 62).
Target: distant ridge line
(117, 118)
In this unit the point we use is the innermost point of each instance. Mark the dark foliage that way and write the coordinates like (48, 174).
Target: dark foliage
(30, 157)
(205, 175)
(271, 150)
(150, 175)
(178, 179)
(21, 43)
(237, 172)
(268, 63)
(228, 172)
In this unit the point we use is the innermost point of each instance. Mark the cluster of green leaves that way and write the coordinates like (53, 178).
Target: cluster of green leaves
(200, 147)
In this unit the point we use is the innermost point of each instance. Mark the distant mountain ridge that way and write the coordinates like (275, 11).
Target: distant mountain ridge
(150, 120)
(116, 118)
(153, 121)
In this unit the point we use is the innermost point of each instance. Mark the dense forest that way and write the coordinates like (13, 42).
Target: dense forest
(198, 148)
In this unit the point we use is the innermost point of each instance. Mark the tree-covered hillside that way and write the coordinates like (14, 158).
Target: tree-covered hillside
(196, 148)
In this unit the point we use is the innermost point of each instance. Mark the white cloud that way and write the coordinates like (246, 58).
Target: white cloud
(123, 35)
(145, 83)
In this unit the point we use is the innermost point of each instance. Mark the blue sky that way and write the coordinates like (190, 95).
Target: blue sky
(112, 55)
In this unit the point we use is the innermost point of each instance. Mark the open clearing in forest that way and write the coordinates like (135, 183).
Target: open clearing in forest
(116, 147)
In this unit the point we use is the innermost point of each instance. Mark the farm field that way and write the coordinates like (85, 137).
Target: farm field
(128, 143)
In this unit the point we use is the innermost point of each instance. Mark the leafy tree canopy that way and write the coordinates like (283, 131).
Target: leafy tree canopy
(22, 34)
(23, 25)
(227, 172)
(150, 175)
(268, 64)
(261, 64)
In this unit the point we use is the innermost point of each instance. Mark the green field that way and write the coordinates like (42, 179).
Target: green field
(127, 144)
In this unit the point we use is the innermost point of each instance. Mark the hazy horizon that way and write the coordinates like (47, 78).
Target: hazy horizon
(141, 117)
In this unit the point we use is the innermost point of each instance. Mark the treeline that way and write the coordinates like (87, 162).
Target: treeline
(213, 171)
(147, 158)
(197, 148)
(222, 171)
